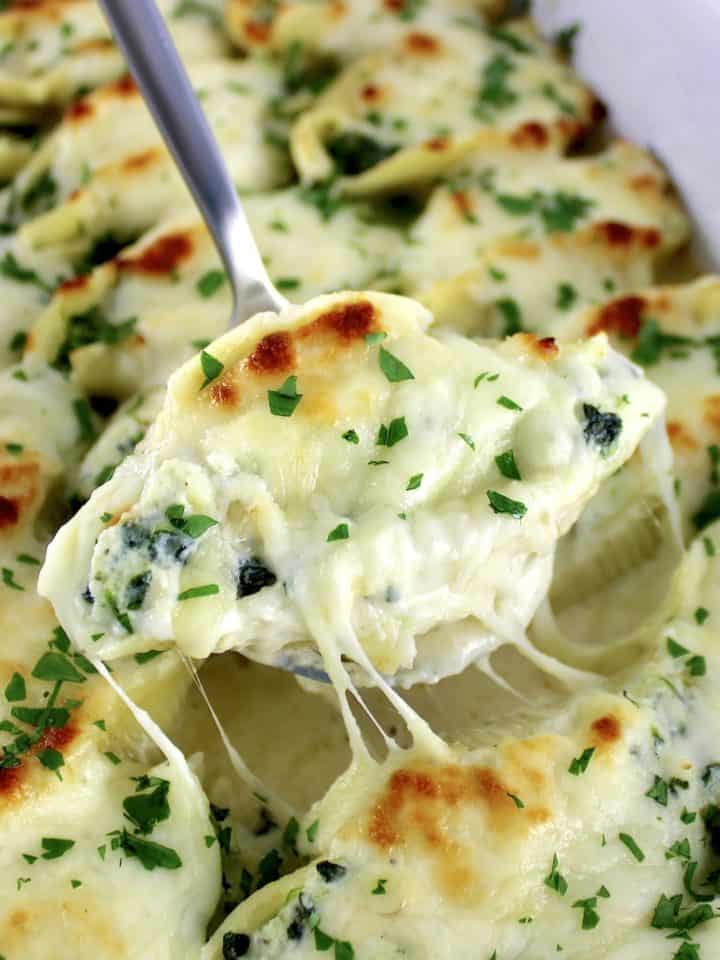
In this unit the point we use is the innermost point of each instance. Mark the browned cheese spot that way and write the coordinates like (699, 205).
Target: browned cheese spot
(163, 256)
(622, 317)
(531, 134)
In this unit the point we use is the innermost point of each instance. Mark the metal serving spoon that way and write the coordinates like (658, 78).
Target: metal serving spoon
(141, 34)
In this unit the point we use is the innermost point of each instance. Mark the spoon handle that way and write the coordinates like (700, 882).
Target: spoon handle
(141, 34)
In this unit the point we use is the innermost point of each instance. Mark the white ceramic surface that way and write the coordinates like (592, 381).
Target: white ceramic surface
(656, 63)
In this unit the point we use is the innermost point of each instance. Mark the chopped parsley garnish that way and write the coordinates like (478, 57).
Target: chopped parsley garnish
(590, 918)
(701, 615)
(51, 759)
(415, 481)
(494, 91)
(351, 436)
(601, 429)
(284, 400)
(466, 438)
(377, 337)
(14, 448)
(507, 466)
(502, 504)
(211, 367)
(26, 558)
(379, 887)
(206, 590)
(393, 433)
(679, 850)
(342, 949)
(149, 805)
(56, 666)
(113, 757)
(511, 314)
(487, 376)
(55, 847)
(555, 880)
(17, 342)
(340, 532)
(147, 656)
(150, 854)
(15, 690)
(10, 268)
(632, 846)
(8, 578)
(659, 791)
(558, 211)
(580, 764)
(517, 801)
(697, 666)
(312, 830)
(709, 547)
(288, 283)
(565, 39)
(676, 649)
(210, 283)
(509, 39)
(83, 415)
(394, 369)
(508, 403)
(688, 816)
(565, 296)
(194, 525)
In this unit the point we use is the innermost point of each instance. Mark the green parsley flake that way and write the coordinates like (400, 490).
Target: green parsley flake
(555, 880)
(27, 559)
(312, 830)
(113, 757)
(288, 283)
(580, 764)
(56, 666)
(210, 283)
(466, 438)
(351, 436)
(676, 649)
(701, 615)
(389, 435)
(697, 666)
(378, 337)
(415, 481)
(83, 415)
(659, 792)
(709, 546)
(211, 367)
(632, 846)
(206, 590)
(502, 504)
(55, 847)
(394, 369)
(340, 532)
(15, 449)
(507, 466)
(379, 887)
(517, 801)
(590, 918)
(511, 314)
(51, 759)
(508, 403)
(8, 578)
(15, 690)
(284, 400)
(565, 296)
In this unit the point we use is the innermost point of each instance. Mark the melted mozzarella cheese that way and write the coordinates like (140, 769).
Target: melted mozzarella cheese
(53, 49)
(374, 508)
(618, 199)
(342, 30)
(524, 847)
(408, 114)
